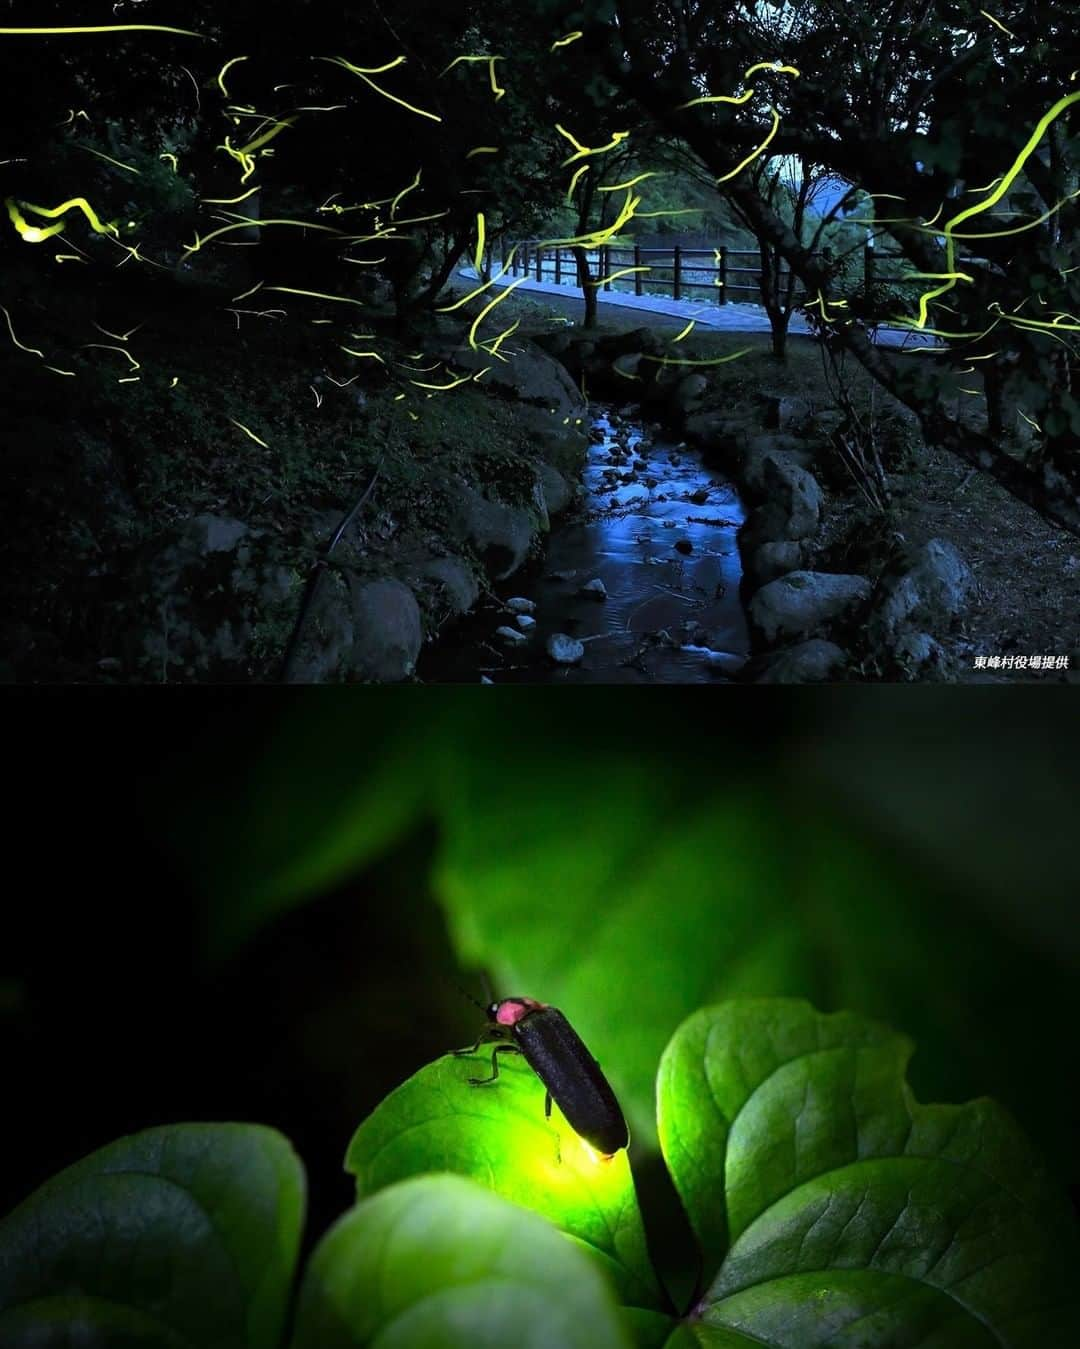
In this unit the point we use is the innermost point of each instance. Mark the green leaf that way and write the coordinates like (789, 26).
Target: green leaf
(497, 1135)
(439, 1262)
(179, 1236)
(835, 1210)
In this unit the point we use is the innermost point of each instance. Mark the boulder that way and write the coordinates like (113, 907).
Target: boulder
(759, 450)
(782, 411)
(770, 560)
(802, 603)
(455, 578)
(510, 636)
(558, 493)
(387, 632)
(214, 600)
(686, 394)
(791, 510)
(918, 656)
(564, 650)
(925, 590)
(500, 534)
(593, 590)
(806, 663)
(529, 376)
(520, 605)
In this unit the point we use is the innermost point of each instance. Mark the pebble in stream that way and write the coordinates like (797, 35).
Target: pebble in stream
(616, 595)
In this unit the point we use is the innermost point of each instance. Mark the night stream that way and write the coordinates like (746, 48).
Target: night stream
(657, 528)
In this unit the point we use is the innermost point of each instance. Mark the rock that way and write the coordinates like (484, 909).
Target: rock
(918, 656)
(782, 411)
(558, 494)
(214, 600)
(529, 376)
(807, 663)
(770, 560)
(640, 466)
(511, 636)
(803, 602)
(784, 451)
(687, 392)
(500, 534)
(387, 632)
(700, 497)
(719, 662)
(520, 605)
(670, 524)
(683, 546)
(792, 507)
(652, 482)
(525, 622)
(925, 589)
(564, 650)
(455, 579)
(593, 590)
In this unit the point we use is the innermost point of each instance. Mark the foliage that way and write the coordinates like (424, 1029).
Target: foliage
(829, 1207)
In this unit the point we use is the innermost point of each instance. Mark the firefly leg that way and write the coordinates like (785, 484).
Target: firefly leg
(492, 1033)
(499, 1049)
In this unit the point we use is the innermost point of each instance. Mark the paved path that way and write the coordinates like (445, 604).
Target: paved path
(733, 317)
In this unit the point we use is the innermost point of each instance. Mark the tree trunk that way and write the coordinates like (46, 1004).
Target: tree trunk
(585, 278)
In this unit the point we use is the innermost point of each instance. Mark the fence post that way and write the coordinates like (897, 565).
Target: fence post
(605, 265)
(637, 275)
(676, 274)
(721, 279)
(539, 265)
(868, 266)
(502, 252)
(558, 266)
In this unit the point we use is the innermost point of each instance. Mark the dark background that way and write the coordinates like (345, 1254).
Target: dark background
(113, 1016)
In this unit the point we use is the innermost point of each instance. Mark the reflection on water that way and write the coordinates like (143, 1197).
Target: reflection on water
(658, 529)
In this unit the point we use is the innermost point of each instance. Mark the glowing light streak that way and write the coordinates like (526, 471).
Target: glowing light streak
(686, 331)
(221, 73)
(129, 379)
(248, 432)
(22, 347)
(316, 294)
(232, 201)
(404, 193)
(718, 98)
(56, 371)
(374, 355)
(69, 257)
(774, 66)
(128, 168)
(483, 150)
(992, 199)
(485, 285)
(318, 395)
(244, 294)
(630, 182)
(454, 383)
(584, 168)
(489, 307)
(716, 360)
(363, 74)
(754, 153)
(582, 151)
(170, 159)
(52, 213)
(105, 346)
(1029, 420)
(246, 222)
(260, 141)
(480, 238)
(997, 24)
(343, 383)
(614, 276)
(120, 337)
(565, 41)
(99, 28)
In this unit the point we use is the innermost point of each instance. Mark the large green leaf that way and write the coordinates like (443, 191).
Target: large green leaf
(183, 1237)
(833, 1209)
(497, 1135)
(438, 1262)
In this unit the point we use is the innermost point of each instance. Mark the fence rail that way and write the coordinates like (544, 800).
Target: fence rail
(680, 271)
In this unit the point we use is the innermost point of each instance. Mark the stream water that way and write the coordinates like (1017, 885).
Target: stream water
(657, 528)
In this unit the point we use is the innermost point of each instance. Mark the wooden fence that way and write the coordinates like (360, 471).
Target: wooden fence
(673, 274)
